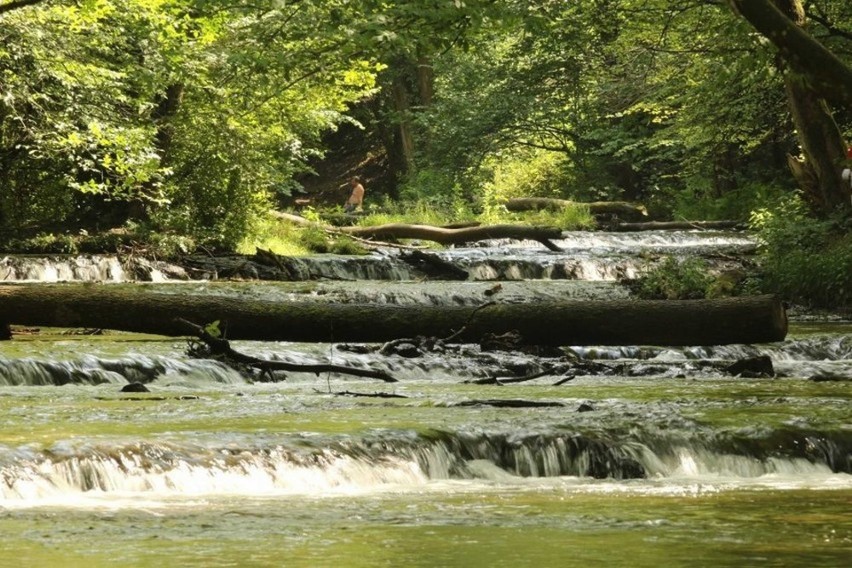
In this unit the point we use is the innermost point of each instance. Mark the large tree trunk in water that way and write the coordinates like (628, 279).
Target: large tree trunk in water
(133, 308)
(595, 208)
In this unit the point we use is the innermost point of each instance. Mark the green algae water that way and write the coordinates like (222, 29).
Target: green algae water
(685, 468)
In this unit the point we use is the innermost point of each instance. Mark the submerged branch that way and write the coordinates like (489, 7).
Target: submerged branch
(222, 347)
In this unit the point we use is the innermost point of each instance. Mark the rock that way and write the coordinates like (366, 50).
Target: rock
(408, 350)
(134, 387)
(829, 377)
(752, 368)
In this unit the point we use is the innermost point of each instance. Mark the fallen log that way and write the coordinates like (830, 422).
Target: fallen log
(453, 234)
(676, 226)
(623, 208)
(446, 236)
(753, 319)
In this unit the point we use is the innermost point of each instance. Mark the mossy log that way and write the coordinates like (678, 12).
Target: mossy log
(622, 208)
(753, 319)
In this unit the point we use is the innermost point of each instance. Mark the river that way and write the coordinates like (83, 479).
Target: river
(651, 458)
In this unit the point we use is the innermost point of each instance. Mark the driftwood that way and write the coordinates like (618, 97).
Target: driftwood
(365, 395)
(510, 403)
(753, 319)
(456, 233)
(500, 381)
(222, 349)
(676, 226)
(544, 235)
(623, 208)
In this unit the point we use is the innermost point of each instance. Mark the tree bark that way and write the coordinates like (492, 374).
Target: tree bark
(132, 308)
(777, 21)
(595, 207)
(163, 115)
(17, 5)
(813, 75)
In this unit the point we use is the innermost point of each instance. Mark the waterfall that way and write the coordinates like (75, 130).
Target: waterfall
(401, 460)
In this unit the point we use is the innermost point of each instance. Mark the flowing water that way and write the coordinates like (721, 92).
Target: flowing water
(649, 456)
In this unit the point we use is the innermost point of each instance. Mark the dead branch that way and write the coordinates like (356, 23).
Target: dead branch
(222, 347)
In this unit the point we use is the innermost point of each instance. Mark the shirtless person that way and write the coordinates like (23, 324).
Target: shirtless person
(356, 198)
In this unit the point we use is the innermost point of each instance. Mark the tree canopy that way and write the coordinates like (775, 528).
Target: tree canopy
(196, 115)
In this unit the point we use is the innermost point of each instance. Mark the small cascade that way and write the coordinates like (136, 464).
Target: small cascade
(167, 470)
(402, 460)
(811, 356)
(86, 268)
(574, 267)
(597, 256)
(90, 370)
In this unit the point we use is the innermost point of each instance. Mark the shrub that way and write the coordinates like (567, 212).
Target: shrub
(676, 279)
(804, 259)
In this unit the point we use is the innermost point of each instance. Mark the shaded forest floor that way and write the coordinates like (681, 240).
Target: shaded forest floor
(352, 152)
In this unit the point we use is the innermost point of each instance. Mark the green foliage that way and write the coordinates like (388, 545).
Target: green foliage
(677, 279)
(205, 114)
(288, 239)
(213, 329)
(530, 173)
(736, 204)
(202, 114)
(806, 260)
(437, 212)
(430, 184)
(316, 240)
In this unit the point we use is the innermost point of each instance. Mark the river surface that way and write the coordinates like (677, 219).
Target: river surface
(650, 457)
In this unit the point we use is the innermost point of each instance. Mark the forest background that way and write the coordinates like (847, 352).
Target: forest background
(183, 122)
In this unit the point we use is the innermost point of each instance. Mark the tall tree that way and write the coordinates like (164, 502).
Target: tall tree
(813, 76)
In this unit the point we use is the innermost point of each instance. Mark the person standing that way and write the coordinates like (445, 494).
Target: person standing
(356, 198)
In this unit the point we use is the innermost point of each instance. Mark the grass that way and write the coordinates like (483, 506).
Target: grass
(428, 213)
(288, 239)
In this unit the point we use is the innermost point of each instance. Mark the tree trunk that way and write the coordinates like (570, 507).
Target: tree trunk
(780, 21)
(17, 5)
(165, 111)
(813, 75)
(622, 322)
(822, 146)
(595, 208)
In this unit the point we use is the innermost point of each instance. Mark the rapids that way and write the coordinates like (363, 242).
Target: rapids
(649, 456)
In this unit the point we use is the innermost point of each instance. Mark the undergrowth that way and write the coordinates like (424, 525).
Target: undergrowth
(804, 259)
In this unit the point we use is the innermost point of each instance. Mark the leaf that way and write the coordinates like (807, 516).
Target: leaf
(213, 329)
